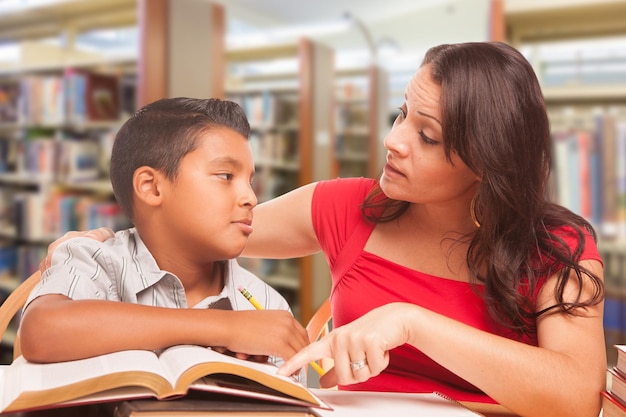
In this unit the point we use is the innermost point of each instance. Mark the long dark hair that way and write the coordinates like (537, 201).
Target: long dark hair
(494, 118)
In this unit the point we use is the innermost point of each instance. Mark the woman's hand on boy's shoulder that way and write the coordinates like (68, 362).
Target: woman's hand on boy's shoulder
(101, 234)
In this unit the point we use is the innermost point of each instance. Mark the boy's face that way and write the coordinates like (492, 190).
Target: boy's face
(211, 200)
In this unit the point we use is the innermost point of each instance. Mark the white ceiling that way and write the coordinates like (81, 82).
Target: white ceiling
(268, 12)
(288, 12)
(408, 27)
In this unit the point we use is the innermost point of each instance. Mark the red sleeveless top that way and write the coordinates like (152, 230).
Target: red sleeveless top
(362, 281)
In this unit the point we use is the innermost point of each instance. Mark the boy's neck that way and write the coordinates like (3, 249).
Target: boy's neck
(209, 286)
(200, 280)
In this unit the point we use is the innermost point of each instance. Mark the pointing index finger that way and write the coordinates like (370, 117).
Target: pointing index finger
(312, 352)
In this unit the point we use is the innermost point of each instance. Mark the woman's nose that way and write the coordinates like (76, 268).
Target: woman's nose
(395, 141)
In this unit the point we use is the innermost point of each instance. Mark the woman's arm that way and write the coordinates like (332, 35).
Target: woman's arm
(283, 227)
(56, 328)
(563, 376)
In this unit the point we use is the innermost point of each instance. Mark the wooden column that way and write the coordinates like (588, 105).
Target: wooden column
(181, 50)
(316, 80)
(497, 23)
(378, 124)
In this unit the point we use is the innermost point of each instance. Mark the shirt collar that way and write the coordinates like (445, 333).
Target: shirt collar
(153, 274)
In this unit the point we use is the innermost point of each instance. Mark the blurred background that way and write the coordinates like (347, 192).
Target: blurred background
(320, 82)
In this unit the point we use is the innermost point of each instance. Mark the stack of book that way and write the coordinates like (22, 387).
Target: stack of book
(614, 398)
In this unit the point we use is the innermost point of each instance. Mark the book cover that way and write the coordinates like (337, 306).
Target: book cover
(618, 384)
(561, 171)
(102, 97)
(218, 406)
(620, 365)
(609, 179)
(584, 173)
(79, 160)
(612, 319)
(134, 374)
(611, 406)
(620, 172)
(9, 102)
(596, 171)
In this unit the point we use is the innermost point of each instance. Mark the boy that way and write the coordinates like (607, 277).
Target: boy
(181, 170)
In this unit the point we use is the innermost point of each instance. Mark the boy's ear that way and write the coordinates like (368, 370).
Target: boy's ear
(146, 185)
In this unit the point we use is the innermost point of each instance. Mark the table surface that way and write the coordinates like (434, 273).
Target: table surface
(106, 410)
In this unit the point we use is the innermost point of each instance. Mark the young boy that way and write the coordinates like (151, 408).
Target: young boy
(181, 170)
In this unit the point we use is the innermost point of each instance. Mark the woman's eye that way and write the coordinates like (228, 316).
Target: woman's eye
(426, 139)
(400, 114)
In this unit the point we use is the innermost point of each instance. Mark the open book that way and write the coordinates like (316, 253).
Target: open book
(142, 374)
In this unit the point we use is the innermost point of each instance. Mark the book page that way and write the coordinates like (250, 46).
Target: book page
(252, 390)
(3, 369)
(179, 359)
(22, 375)
(189, 364)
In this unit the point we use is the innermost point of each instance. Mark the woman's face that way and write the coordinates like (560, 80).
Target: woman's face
(417, 170)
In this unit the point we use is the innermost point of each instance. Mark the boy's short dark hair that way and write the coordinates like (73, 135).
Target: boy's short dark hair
(161, 133)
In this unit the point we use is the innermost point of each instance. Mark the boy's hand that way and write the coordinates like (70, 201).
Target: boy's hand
(239, 355)
(101, 234)
(266, 332)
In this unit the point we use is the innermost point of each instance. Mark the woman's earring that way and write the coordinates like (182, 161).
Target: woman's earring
(473, 210)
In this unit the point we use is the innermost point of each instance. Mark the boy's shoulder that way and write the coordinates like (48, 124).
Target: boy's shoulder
(124, 247)
(123, 239)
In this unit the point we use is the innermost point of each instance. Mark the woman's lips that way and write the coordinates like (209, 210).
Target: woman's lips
(392, 171)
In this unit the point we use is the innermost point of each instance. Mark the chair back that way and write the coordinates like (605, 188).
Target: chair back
(319, 326)
(13, 304)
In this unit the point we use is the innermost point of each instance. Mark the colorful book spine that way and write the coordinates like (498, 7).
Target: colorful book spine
(620, 166)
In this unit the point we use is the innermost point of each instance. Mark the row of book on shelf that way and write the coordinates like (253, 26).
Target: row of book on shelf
(18, 262)
(49, 159)
(276, 147)
(72, 97)
(38, 218)
(58, 155)
(590, 173)
(269, 108)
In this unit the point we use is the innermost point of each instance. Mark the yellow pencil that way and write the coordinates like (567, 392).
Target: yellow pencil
(317, 368)
(258, 306)
(250, 298)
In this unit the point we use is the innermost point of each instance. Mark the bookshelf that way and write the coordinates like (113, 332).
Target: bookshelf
(60, 108)
(55, 140)
(46, 189)
(290, 113)
(360, 122)
(587, 114)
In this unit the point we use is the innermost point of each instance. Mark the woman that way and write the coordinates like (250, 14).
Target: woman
(453, 273)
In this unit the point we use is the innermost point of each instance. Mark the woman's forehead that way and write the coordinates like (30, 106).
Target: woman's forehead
(423, 93)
